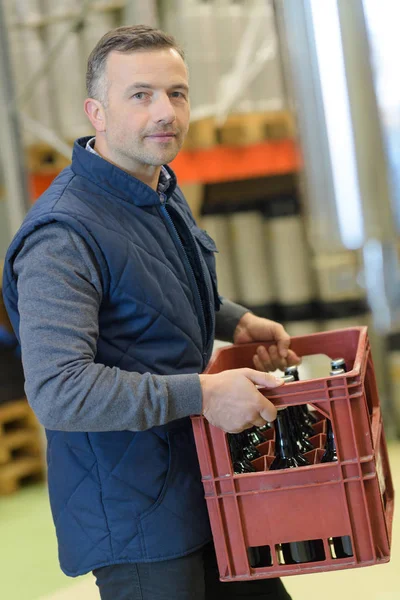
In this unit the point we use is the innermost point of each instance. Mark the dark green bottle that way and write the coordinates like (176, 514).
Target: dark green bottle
(298, 434)
(330, 446)
(303, 415)
(265, 428)
(239, 462)
(340, 546)
(287, 456)
(249, 450)
(254, 436)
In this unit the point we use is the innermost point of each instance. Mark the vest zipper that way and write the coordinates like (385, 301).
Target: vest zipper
(190, 270)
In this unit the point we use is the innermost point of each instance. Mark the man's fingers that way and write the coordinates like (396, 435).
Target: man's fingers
(262, 379)
(269, 360)
(283, 340)
(262, 365)
(264, 361)
(238, 429)
(268, 411)
(259, 421)
(292, 359)
(277, 361)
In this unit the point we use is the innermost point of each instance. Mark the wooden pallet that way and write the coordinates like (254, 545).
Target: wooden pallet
(42, 158)
(240, 130)
(21, 454)
(23, 442)
(16, 415)
(4, 320)
(20, 471)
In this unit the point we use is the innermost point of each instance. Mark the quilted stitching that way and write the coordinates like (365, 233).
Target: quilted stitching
(76, 480)
(68, 500)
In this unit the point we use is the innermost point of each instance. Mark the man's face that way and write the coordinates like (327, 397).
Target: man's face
(147, 113)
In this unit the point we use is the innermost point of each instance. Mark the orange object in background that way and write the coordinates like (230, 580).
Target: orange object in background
(230, 163)
(39, 182)
(219, 163)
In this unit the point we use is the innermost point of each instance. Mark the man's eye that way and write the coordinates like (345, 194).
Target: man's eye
(139, 96)
(178, 95)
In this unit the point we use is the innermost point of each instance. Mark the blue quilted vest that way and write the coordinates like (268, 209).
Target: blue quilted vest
(120, 497)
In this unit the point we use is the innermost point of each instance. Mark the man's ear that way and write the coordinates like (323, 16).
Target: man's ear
(96, 115)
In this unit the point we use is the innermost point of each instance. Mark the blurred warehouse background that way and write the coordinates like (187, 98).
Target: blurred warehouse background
(292, 161)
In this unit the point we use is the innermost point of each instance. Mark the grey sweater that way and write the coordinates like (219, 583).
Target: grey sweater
(59, 296)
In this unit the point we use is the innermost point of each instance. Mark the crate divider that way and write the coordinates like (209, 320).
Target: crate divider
(351, 497)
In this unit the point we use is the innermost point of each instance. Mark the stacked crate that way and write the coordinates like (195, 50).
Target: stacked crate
(21, 440)
(240, 129)
(21, 455)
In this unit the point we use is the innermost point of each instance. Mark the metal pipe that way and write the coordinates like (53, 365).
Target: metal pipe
(341, 138)
(368, 136)
(145, 13)
(299, 57)
(17, 201)
(248, 63)
(381, 267)
(52, 55)
(46, 135)
(334, 97)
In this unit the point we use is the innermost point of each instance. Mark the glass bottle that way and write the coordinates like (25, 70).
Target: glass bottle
(299, 437)
(330, 446)
(239, 462)
(338, 363)
(248, 449)
(340, 546)
(265, 428)
(304, 415)
(254, 436)
(338, 367)
(287, 456)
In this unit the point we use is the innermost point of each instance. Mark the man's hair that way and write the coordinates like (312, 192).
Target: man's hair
(132, 38)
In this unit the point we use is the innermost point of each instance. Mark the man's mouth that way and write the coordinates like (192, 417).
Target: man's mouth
(167, 134)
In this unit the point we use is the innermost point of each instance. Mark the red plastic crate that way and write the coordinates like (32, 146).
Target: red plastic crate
(352, 497)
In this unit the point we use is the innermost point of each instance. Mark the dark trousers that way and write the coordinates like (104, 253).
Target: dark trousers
(193, 577)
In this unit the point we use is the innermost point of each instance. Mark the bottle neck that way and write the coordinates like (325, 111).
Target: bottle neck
(330, 438)
(283, 439)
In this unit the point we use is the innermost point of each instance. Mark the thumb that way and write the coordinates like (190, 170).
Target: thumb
(267, 410)
(263, 379)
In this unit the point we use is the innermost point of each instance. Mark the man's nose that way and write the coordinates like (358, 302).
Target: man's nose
(163, 109)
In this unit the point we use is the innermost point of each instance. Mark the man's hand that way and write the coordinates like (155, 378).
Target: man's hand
(232, 402)
(252, 329)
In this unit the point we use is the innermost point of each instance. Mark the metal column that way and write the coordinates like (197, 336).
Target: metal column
(345, 163)
(141, 13)
(12, 156)
(345, 166)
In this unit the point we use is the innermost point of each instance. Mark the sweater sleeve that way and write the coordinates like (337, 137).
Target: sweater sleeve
(227, 318)
(59, 296)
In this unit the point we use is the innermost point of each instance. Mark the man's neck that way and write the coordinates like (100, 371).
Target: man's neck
(147, 174)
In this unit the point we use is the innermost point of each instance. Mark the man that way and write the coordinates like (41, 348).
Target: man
(111, 288)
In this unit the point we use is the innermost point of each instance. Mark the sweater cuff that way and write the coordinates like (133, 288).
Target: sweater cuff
(227, 318)
(184, 395)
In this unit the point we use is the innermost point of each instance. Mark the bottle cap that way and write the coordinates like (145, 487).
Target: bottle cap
(337, 372)
(290, 370)
(338, 363)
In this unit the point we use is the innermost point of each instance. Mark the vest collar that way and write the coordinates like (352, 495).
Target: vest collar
(113, 179)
